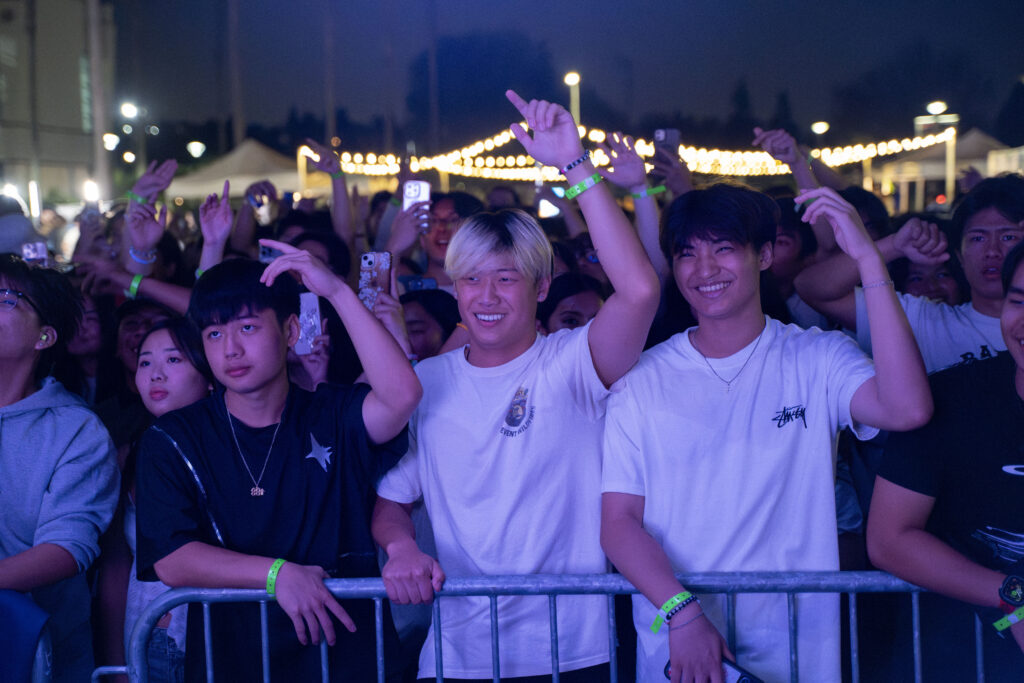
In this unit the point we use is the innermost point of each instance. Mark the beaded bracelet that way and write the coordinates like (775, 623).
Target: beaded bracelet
(582, 186)
(147, 258)
(577, 162)
(648, 192)
(272, 575)
(880, 283)
(680, 600)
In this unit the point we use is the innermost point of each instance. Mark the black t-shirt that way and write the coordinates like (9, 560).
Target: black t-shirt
(970, 458)
(319, 494)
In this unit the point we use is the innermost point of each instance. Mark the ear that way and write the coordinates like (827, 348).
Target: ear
(47, 338)
(766, 256)
(291, 330)
(542, 288)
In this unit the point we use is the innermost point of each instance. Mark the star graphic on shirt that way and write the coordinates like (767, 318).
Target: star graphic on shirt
(322, 454)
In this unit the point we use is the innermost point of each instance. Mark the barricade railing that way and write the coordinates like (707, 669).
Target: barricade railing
(728, 583)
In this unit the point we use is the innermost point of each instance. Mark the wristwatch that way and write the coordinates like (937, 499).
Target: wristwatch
(1011, 593)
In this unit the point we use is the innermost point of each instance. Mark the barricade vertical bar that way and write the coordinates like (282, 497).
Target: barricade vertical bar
(854, 642)
(915, 610)
(436, 623)
(378, 625)
(207, 643)
(495, 663)
(794, 668)
(979, 650)
(325, 671)
(613, 642)
(553, 623)
(730, 620)
(264, 642)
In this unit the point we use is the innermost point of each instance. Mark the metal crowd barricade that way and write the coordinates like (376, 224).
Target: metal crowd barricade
(728, 583)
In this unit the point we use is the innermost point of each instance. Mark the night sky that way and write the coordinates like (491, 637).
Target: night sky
(639, 56)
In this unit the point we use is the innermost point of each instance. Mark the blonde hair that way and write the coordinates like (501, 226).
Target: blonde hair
(507, 231)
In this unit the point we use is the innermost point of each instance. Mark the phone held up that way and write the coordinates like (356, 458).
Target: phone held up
(309, 323)
(413, 192)
(374, 276)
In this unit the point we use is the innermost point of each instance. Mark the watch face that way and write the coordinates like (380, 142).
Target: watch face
(1013, 590)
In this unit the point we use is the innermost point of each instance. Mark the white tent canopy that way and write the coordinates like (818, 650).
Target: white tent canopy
(246, 164)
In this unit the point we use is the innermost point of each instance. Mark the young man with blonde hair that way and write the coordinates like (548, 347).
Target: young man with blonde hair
(505, 449)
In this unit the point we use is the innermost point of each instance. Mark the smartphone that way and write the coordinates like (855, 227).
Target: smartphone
(414, 283)
(733, 673)
(667, 139)
(35, 253)
(309, 323)
(374, 276)
(268, 254)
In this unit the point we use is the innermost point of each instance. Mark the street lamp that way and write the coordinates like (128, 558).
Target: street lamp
(937, 107)
(572, 79)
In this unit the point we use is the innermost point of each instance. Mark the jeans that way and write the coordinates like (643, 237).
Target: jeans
(166, 661)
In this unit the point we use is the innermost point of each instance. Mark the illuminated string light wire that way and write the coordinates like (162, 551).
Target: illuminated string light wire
(472, 162)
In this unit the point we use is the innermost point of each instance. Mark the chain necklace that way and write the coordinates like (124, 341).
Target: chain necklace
(728, 382)
(256, 489)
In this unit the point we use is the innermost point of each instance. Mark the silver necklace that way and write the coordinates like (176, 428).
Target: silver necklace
(728, 382)
(256, 489)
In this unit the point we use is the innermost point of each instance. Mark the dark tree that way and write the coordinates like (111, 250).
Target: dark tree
(1009, 126)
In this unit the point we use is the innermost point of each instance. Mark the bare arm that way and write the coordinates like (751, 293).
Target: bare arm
(410, 575)
(341, 211)
(40, 565)
(620, 328)
(696, 649)
(898, 396)
(394, 388)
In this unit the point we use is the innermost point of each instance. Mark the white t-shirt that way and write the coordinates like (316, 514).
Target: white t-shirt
(946, 334)
(740, 480)
(803, 315)
(508, 462)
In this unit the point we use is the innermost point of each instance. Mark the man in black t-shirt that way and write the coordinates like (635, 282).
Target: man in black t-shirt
(948, 508)
(263, 470)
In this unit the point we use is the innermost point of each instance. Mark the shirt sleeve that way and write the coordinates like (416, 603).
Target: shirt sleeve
(82, 494)
(373, 460)
(848, 369)
(170, 513)
(576, 364)
(402, 483)
(913, 459)
(622, 468)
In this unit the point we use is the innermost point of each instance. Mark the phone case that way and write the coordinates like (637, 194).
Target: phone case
(309, 323)
(374, 276)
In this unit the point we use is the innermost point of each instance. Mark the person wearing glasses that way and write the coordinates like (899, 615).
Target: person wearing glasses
(58, 473)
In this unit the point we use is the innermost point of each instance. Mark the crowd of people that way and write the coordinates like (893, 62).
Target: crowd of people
(525, 395)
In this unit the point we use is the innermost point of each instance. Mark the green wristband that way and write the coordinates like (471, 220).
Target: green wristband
(138, 198)
(133, 288)
(582, 186)
(649, 192)
(272, 576)
(338, 175)
(1010, 619)
(395, 200)
(678, 598)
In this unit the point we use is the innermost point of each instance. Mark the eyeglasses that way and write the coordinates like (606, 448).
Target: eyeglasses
(9, 298)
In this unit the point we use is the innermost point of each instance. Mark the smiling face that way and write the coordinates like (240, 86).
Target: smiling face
(443, 224)
(248, 353)
(988, 237)
(166, 380)
(721, 279)
(499, 307)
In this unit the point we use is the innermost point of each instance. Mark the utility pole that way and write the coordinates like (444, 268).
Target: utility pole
(100, 158)
(330, 115)
(235, 75)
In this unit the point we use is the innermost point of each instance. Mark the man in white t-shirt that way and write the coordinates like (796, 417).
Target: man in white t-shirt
(986, 225)
(720, 443)
(505, 449)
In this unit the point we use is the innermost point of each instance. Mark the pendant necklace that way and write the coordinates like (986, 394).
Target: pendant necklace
(728, 382)
(256, 489)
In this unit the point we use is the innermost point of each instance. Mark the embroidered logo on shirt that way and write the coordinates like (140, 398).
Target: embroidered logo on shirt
(517, 417)
(322, 454)
(790, 414)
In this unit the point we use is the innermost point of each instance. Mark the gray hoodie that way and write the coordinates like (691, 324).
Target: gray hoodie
(59, 484)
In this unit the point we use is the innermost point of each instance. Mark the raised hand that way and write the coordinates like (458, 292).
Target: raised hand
(305, 599)
(155, 180)
(627, 168)
(852, 238)
(311, 271)
(144, 226)
(215, 217)
(677, 175)
(779, 144)
(555, 140)
(696, 650)
(407, 225)
(922, 242)
(328, 161)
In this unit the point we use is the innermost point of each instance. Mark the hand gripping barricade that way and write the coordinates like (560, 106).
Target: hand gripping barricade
(728, 583)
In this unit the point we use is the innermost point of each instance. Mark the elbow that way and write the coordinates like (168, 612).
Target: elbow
(170, 574)
(912, 415)
(879, 547)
